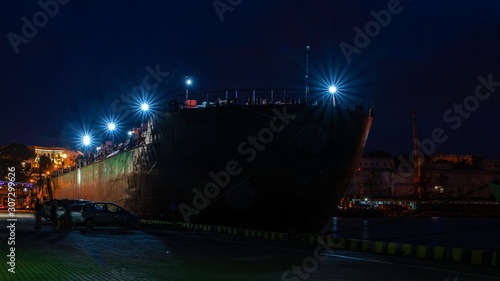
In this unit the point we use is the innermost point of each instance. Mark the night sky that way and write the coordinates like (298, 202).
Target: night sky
(73, 72)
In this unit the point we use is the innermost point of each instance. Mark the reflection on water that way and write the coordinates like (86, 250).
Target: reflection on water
(468, 233)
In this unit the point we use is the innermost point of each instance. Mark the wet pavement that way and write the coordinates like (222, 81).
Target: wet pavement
(148, 253)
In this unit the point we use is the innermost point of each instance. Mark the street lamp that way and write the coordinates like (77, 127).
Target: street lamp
(188, 83)
(332, 90)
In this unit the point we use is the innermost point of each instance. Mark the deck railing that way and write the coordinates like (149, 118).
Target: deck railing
(249, 97)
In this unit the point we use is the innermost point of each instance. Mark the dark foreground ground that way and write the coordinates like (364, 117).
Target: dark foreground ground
(112, 253)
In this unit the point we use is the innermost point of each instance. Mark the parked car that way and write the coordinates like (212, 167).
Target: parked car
(76, 213)
(109, 214)
(60, 206)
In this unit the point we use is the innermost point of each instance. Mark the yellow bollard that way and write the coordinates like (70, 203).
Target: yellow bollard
(422, 251)
(476, 257)
(365, 246)
(439, 253)
(456, 254)
(353, 245)
(391, 248)
(406, 249)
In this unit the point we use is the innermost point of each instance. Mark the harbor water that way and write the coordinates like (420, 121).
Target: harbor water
(475, 233)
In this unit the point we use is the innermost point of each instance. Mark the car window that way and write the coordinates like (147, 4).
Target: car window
(99, 206)
(94, 207)
(113, 208)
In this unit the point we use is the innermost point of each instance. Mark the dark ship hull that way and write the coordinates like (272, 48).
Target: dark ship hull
(495, 189)
(268, 167)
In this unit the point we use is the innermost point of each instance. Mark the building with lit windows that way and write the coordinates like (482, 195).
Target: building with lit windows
(60, 158)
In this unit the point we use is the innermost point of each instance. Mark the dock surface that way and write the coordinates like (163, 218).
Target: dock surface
(166, 253)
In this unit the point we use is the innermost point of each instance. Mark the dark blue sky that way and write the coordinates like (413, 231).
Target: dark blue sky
(70, 74)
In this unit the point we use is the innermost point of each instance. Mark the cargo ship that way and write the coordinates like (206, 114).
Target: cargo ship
(261, 159)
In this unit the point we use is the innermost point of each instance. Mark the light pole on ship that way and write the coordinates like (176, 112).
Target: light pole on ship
(332, 90)
(86, 142)
(111, 128)
(188, 83)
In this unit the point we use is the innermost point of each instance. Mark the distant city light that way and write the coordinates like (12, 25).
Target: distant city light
(145, 107)
(189, 81)
(332, 89)
(86, 140)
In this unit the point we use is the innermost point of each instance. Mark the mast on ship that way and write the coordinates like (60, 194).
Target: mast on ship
(307, 70)
(417, 162)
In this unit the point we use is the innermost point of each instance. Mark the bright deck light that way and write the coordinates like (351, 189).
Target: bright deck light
(111, 126)
(86, 140)
(145, 107)
(332, 89)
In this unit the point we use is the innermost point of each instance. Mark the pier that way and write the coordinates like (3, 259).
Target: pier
(164, 252)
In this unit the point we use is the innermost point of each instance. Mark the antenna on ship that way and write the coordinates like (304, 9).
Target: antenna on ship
(307, 70)
(417, 162)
